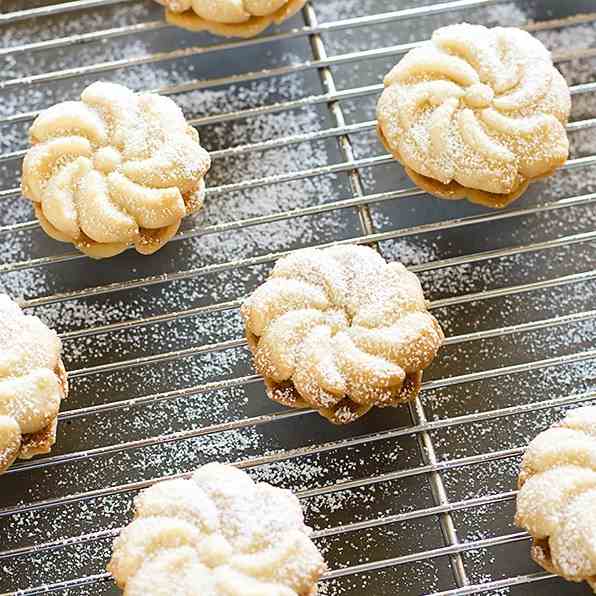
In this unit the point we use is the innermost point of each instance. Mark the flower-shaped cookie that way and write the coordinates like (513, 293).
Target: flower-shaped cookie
(32, 384)
(230, 18)
(557, 497)
(340, 330)
(476, 113)
(113, 170)
(217, 534)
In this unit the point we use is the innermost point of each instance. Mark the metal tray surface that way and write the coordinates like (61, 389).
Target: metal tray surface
(406, 501)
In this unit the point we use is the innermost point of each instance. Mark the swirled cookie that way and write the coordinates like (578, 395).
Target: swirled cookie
(476, 113)
(556, 503)
(230, 18)
(32, 384)
(217, 534)
(114, 170)
(340, 330)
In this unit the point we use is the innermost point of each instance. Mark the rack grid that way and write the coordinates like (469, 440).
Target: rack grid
(414, 500)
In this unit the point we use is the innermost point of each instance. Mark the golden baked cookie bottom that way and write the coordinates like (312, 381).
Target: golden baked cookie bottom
(191, 21)
(455, 191)
(147, 242)
(344, 411)
(41, 442)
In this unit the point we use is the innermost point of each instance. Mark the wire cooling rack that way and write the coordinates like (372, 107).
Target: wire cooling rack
(404, 501)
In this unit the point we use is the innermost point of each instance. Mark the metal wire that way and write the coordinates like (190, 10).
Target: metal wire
(421, 426)
(351, 570)
(56, 9)
(347, 58)
(268, 258)
(358, 201)
(325, 447)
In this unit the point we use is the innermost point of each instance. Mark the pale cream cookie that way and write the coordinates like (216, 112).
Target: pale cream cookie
(114, 170)
(217, 534)
(32, 384)
(340, 330)
(556, 503)
(476, 113)
(230, 18)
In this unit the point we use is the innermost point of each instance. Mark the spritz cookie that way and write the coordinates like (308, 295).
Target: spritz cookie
(476, 113)
(114, 170)
(32, 384)
(556, 503)
(340, 330)
(216, 534)
(230, 18)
